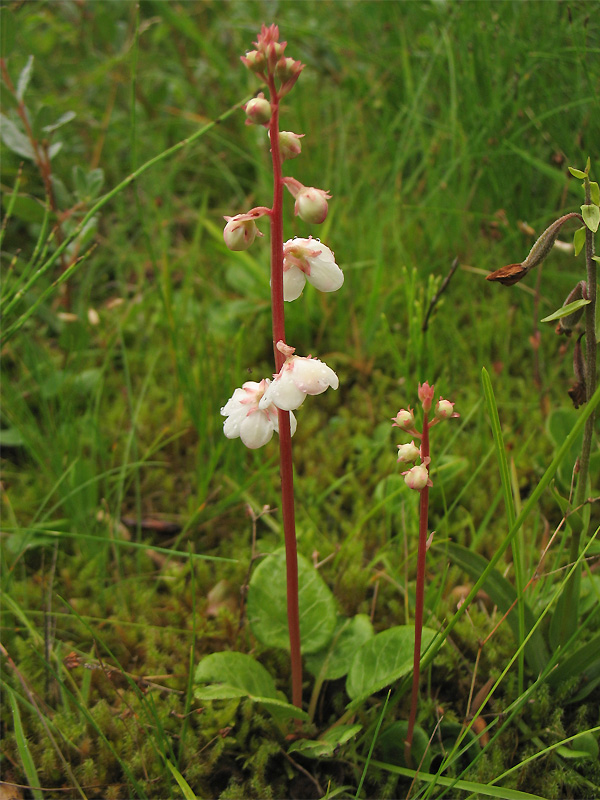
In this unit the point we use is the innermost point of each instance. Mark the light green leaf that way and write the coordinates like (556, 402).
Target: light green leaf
(577, 173)
(14, 139)
(54, 149)
(579, 240)
(595, 193)
(335, 660)
(235, 675)
(23, 746)
(591, 216)
(564, 311)
(328, 744)
(186, 789)
(267, 605)
(384, 659)
(391, 745)
(24, 78)
(62, 120)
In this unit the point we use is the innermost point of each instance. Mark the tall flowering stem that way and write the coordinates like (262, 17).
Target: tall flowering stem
(286, 469)
(258, 409)
(417, 478)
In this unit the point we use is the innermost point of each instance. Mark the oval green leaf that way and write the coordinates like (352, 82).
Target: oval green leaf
(335, 660)
(383, 659)
(591, 216)
(267, 605)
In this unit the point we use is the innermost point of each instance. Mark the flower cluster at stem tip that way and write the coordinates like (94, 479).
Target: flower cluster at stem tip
(253, 411)
(417, 477)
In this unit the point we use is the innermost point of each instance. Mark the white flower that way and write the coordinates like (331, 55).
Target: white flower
(309, 260)
(298, 377)
(245, 419)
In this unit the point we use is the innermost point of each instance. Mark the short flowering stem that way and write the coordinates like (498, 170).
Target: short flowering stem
(420, 592)
(285, 439)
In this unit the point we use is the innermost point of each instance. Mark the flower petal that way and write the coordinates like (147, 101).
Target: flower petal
(293, 283)
(312, 376)
(256, 430)
(283, 392)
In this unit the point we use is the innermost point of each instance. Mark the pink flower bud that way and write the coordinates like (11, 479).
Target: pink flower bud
(408, 453)
(405, 420)
(254, 61)
(417, 478)
(311, 205)
(258, 110)
(426, 395)
(444, 409)
(289, 144)
(240, 232)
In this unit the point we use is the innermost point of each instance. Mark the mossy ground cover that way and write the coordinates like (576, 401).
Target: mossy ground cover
(442, 130)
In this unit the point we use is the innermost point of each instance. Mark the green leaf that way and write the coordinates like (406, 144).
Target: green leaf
(186, 789)
(595, 193)
(384, 659)
(564, 311)
(62, 120)
(24, 79)
(236, 675)
(579, 240)
(503, 594)
(577, 173)
(587, 747)
(577, 663)
(15, 139)
(95, 179)
(391, 745)
(328, 744)
(11, 437)
(335, 660)
(267, 605)
(591, 216)
(23, 746)
(26, 208)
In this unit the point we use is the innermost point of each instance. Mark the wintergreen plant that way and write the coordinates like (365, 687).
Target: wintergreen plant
(580, 306)
(417, 478)
(255, 410)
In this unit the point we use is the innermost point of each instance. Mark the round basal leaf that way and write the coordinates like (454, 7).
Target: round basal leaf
(267, 605)
(328, 744)
(335, 660)
(239, 673)
(591, 216)
(391, 746)
(383, 659)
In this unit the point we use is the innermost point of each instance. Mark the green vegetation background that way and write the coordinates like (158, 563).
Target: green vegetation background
(438, 128)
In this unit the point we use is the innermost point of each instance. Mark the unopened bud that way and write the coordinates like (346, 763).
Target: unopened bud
(254, 61)
(417, 478)
(408, 453)
(405, 420)
(444, 409)
(240, 232)
(287, 68)
(426, 395)
(258, 110)
(311, 205)
(289, 144)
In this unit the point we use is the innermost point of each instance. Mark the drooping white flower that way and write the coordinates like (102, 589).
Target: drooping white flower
(245, 419)
(309, 260)
(298, 377)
